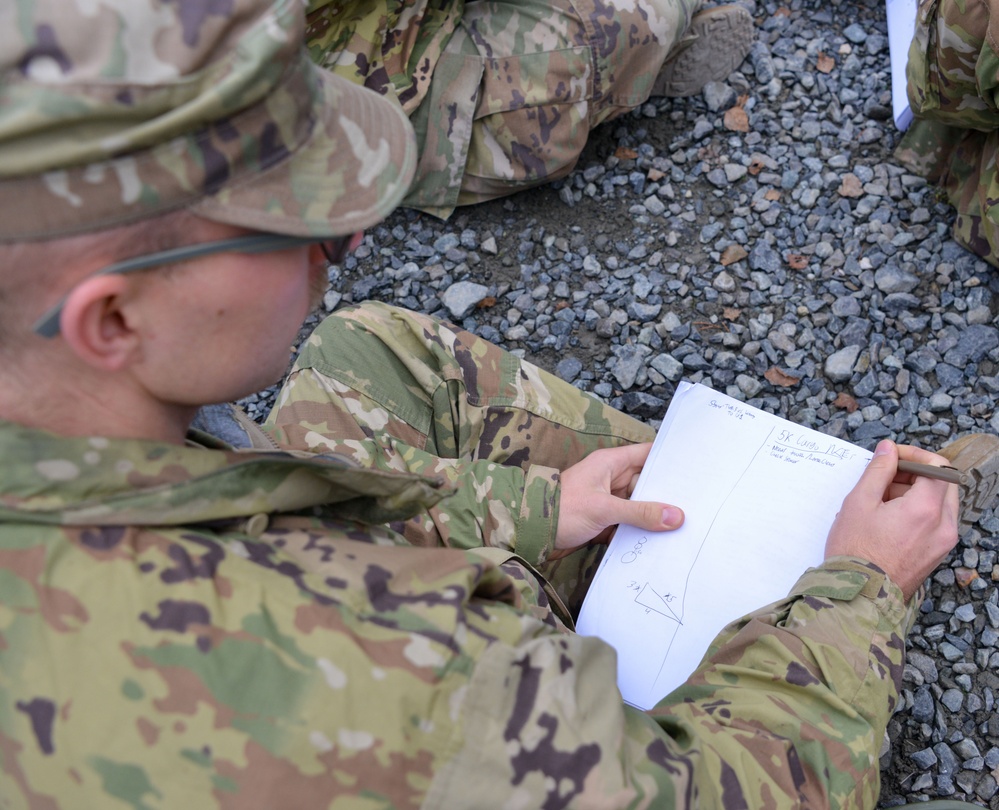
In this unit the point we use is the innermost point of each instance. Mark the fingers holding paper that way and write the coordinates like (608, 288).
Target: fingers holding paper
(903, 523)
(594, 499)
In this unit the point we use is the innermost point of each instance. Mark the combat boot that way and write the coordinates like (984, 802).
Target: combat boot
(978, 455)
(717, 41)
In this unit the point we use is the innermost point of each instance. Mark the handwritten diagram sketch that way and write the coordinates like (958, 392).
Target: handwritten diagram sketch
(660, 603)
(759, 494)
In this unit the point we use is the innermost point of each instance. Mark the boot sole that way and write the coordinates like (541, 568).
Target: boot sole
(977, 455)
(724, 37)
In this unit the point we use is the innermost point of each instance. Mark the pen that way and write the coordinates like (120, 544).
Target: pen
(949, 474)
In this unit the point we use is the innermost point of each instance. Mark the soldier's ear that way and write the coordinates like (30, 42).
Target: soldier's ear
(96, 322)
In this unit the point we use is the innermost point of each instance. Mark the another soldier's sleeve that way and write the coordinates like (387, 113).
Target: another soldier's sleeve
(788, 709)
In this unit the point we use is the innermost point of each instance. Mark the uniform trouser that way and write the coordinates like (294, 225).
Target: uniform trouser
(953, 89)
(451, 401)
(531, 92)
(521, 83)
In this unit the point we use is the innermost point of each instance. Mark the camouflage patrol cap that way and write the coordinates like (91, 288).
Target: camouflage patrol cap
(112, 111)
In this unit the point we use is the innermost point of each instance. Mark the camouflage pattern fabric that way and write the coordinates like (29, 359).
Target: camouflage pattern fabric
(503, 95)
(117, 111)
(390, 46)
(191, 626)
(953, 89)
(438, 401)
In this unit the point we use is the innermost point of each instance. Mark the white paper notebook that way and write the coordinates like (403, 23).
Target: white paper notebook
(759, 494)
(901, 17)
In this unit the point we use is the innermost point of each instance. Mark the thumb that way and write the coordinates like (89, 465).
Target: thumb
(880, 472)
(651, 516)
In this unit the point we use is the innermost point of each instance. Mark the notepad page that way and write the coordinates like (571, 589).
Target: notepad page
(759, 494)
(901, 18)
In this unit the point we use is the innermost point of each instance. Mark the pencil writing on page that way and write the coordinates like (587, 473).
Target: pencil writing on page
(949, 474)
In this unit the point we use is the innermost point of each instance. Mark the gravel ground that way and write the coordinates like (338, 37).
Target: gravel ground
(790, 263)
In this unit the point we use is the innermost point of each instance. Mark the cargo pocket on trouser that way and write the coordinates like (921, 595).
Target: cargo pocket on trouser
(443, 124)
(531, 123)
(493, 126)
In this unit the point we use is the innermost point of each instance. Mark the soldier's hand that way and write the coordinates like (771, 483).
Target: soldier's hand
(594, 499)
(904, 524)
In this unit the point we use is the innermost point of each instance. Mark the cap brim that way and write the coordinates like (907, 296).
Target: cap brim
(352, 171)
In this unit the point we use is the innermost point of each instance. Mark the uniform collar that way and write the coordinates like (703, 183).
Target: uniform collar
(95, 480)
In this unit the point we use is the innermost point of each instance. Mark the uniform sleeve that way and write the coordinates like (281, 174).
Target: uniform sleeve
(788, 709)
(494, 505)
(511, 507)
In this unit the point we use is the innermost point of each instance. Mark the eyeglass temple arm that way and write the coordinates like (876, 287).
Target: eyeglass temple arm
(48, 324)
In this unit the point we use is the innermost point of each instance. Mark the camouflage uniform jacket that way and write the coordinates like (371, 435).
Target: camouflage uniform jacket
(389, 44)
(193, 627)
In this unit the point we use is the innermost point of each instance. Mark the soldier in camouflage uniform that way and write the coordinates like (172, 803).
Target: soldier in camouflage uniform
(953, 89)
(351, 615)
(503, 93)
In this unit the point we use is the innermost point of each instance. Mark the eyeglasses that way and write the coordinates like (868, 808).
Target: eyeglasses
(335, 250)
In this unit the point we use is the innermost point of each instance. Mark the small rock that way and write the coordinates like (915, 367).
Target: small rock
(461, 297)
(568, 368)
(839, 365)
